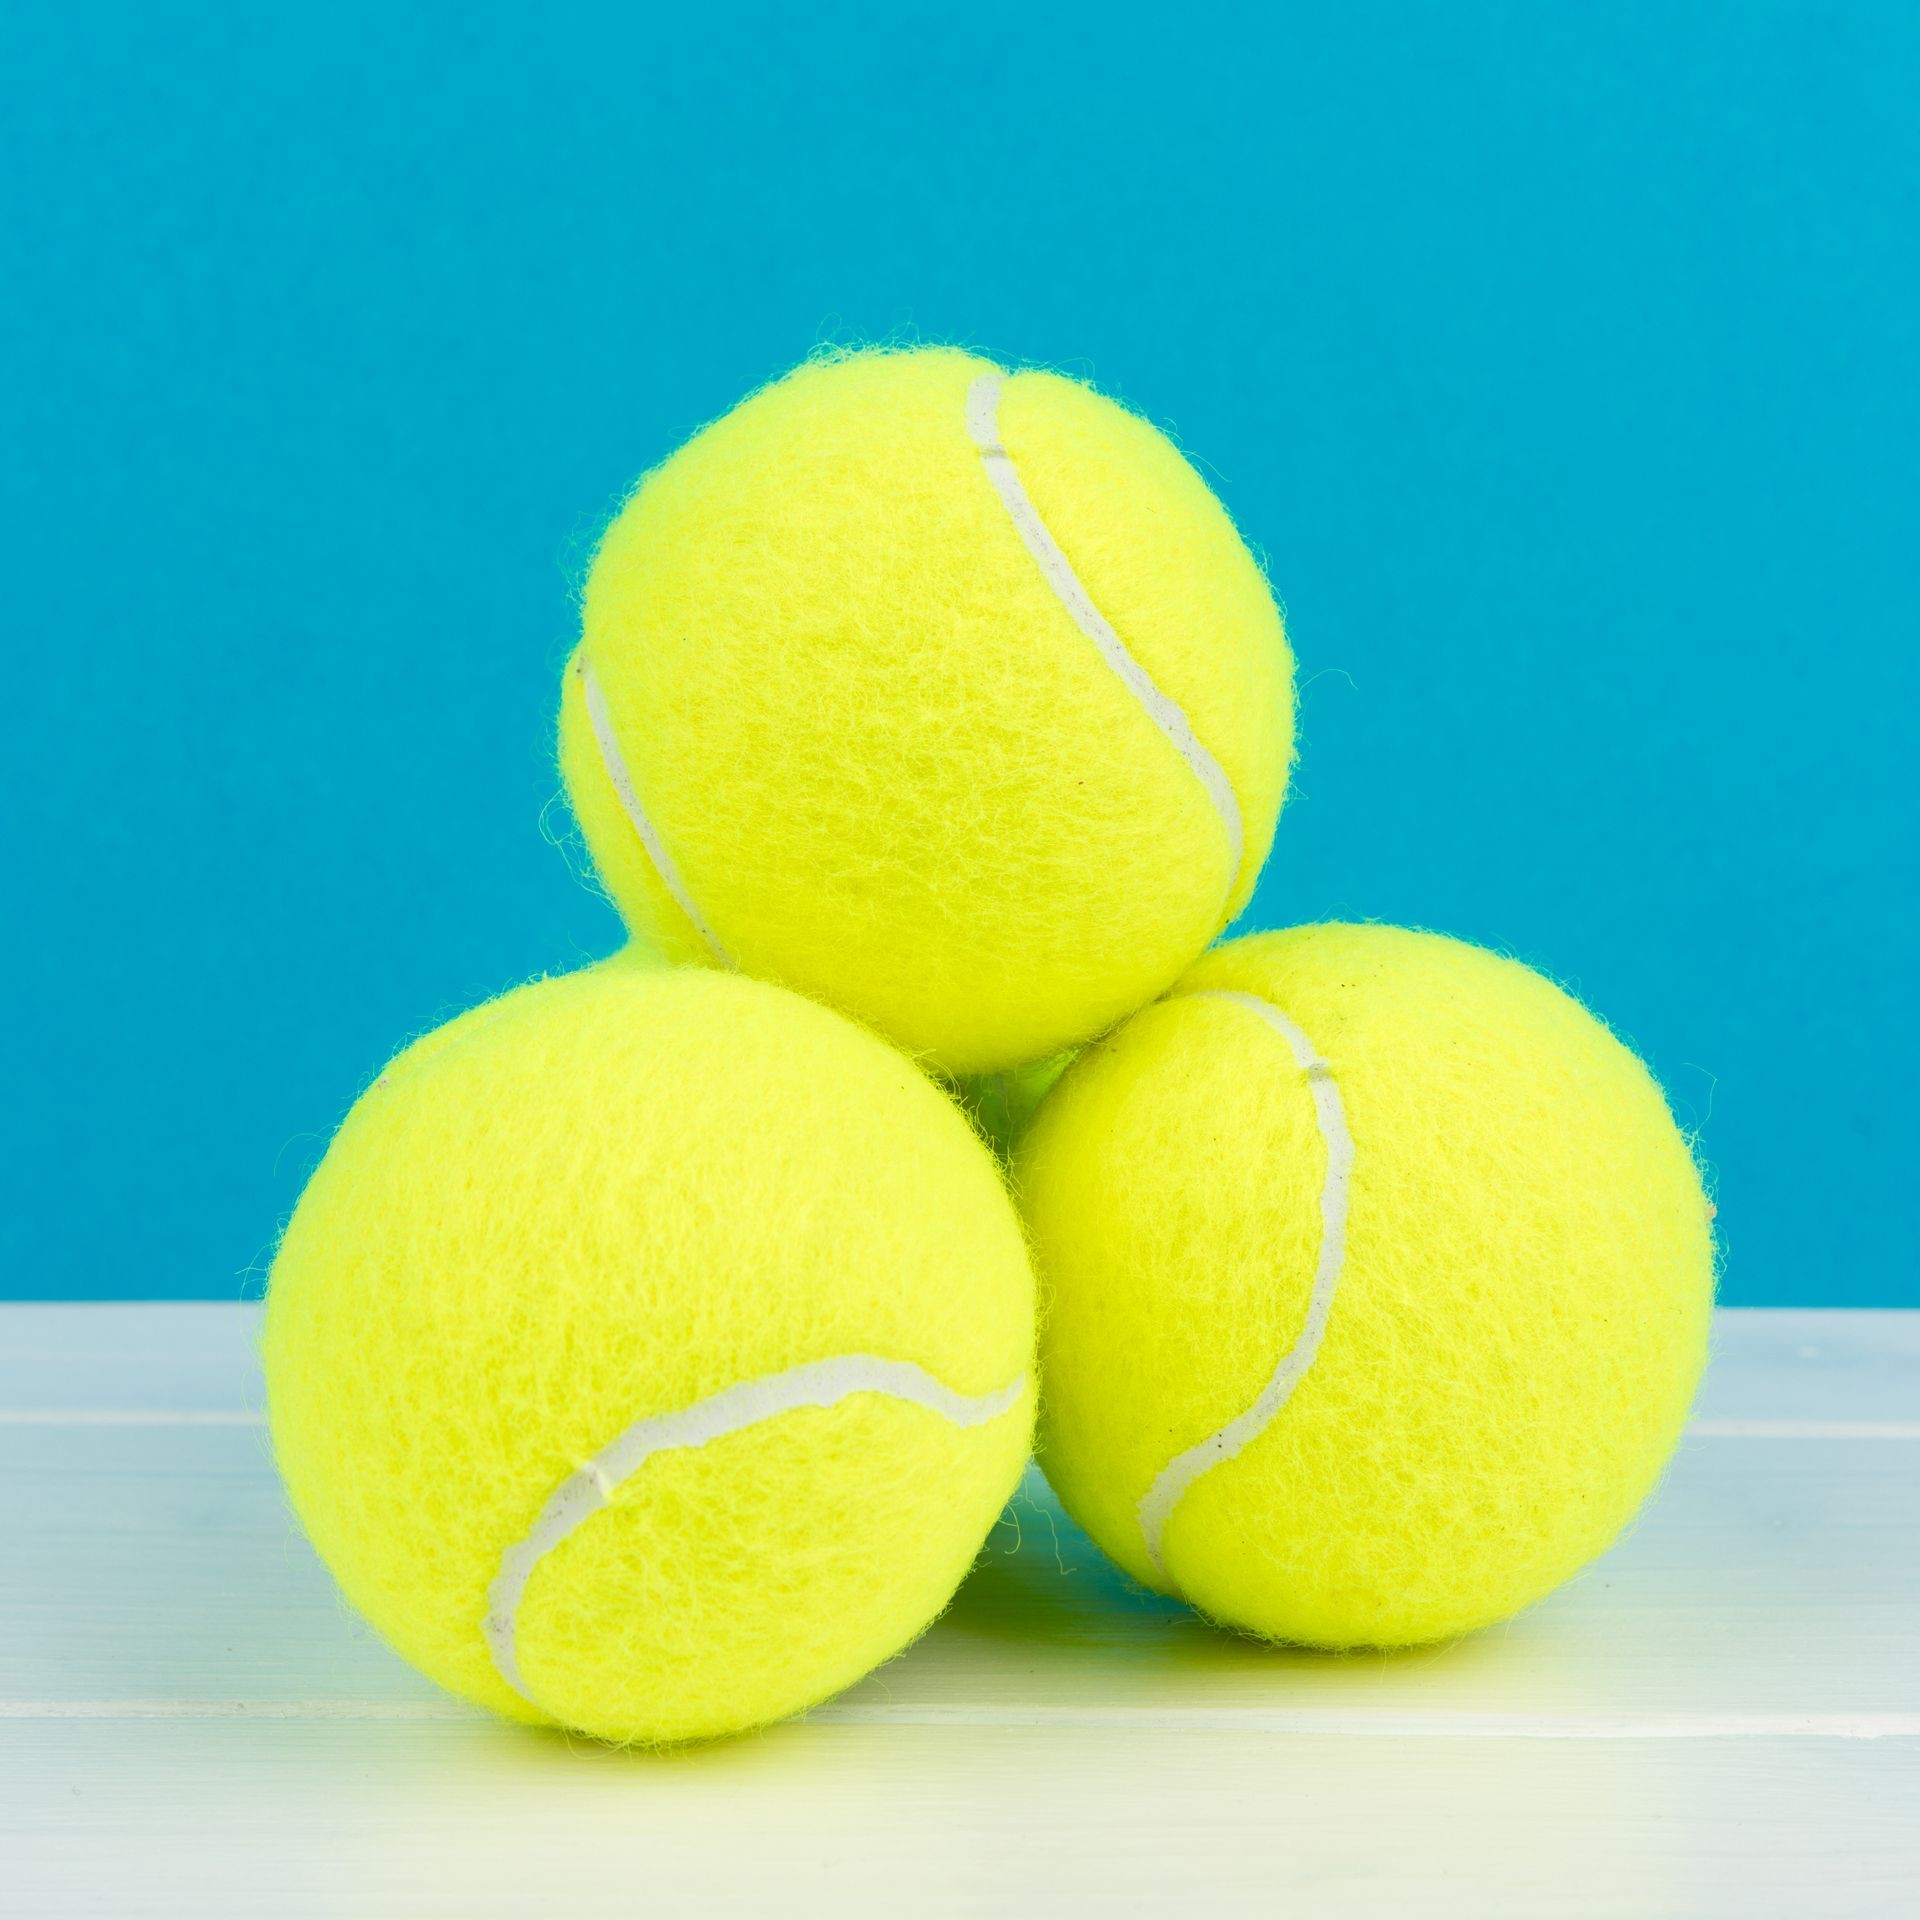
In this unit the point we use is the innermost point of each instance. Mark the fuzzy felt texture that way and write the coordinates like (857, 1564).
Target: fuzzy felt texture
(887, 765)
(607, 1197)
(1520, 1318)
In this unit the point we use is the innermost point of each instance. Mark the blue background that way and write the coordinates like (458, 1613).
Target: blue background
(1561, 359)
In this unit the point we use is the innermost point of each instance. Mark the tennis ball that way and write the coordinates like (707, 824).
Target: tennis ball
(1379, 1279)
(650, 1353)
(946, 694)
(1000, 1105)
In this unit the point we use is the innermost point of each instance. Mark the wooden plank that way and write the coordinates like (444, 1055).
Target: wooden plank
(1723, 1715)
(1789, 1365)
(129, 1357)
(426, 1819)
(1767, 1578)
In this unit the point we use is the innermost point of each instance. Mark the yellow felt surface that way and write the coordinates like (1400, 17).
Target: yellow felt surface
(1168, 569)
(606, 1197)
(1519, 1324)
(888, 766)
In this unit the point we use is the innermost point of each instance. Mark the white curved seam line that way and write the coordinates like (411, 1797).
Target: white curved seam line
(1157, 1506)
(615, 763)
(983, 425)
(595, 1484)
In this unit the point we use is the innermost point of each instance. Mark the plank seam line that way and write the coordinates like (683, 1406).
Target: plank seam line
(1709, 1429)
(240, 1417)
(1385, 1723)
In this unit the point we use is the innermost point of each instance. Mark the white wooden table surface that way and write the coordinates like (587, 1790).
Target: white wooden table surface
(1723, 1717)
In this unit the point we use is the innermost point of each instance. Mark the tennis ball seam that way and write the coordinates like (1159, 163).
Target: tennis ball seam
(621, 777)
(983, 428)
(1157, 1505)
(594, 1484)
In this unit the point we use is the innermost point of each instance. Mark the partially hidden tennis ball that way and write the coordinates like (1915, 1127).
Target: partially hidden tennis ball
(650, 1353)
(947, 694)
(1379, 1281)
(1001, 1105)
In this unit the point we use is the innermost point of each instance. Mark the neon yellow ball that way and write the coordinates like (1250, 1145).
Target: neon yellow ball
(651, 1353)
(1379, 1282)
(946, 694)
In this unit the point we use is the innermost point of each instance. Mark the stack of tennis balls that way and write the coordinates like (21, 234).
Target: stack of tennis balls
(654, 1347)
